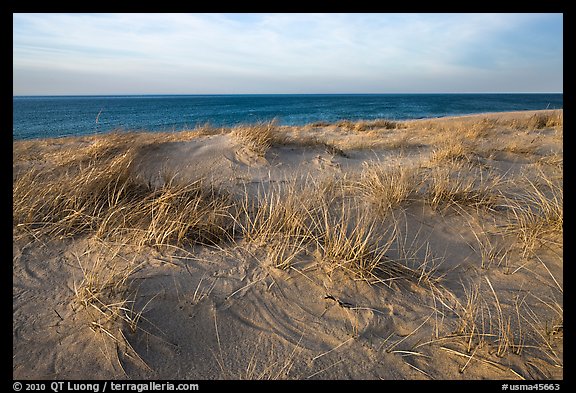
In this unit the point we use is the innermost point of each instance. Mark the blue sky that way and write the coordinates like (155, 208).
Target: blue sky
(57, 54)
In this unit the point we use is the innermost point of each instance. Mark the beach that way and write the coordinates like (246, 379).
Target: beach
(421, 249)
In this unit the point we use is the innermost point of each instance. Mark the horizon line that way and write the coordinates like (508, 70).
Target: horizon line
(271, 94)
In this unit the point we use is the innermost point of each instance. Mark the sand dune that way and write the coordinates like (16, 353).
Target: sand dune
(427, 249)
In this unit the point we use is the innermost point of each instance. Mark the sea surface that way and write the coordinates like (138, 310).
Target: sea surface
(57, 116)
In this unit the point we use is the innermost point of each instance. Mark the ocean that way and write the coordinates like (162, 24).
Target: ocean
(57, 116)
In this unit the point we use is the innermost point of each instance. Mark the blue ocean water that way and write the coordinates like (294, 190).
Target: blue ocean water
(55, 116)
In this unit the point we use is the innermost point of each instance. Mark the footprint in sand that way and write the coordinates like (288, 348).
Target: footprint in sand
(249, 158)
(323, 163)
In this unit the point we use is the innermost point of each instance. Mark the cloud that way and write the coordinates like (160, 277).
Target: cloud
(249, 50)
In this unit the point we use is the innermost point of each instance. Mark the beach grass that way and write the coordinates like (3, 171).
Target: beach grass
(258, 137)
(349, 223)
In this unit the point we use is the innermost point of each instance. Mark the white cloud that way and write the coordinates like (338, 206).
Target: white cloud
(264, 47)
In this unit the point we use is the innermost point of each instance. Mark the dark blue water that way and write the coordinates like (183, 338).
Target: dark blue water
(39, 117)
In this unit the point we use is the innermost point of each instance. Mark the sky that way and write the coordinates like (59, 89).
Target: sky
(290, 53)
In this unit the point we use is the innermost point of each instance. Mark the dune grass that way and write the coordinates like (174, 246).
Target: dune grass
(183, 215)
(208, 129)
(352, 241)
(278, 219)
(451, 150)
(551, 119)
(104, 292)
(347, 224)
(365, 125)
(536, 216)
(488, 322)
(258, 137)
(73, 200)
(104, 197)
(387, 187)
(462, 186)
(105, 300)
(94, 190)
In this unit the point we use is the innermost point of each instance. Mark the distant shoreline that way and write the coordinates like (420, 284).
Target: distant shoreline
(35, 117)
(471, 116)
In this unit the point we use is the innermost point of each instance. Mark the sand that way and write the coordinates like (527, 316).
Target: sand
(227, 312)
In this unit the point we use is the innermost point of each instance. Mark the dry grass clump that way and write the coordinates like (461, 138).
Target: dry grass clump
(462, 187)
(104, 197)
(464, 139)
(451, 150)
(365, 125)
(104, 293)
(31, 150)
(537, 121)
(540, 120)
(479, 129)
(348, 236)
(208, 129)
(318, 124)
(101, 149)
(491, 249)
(258, 137)
(348, 125)
(554, 161)
(73, 200)
(546, 331)
(402, 141)
(442, 127)
(105, 299)
(72, 153)
(325, 220)
(555, 119)
(523, 145)
(181, 214)
(536, 215)
(351, 241)
(379, 124)
(285, 217)
(520, 148)
(283, 208)
(460, 128)
(387, 187)
(486, 321)
(487, 126)
(461, 140)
